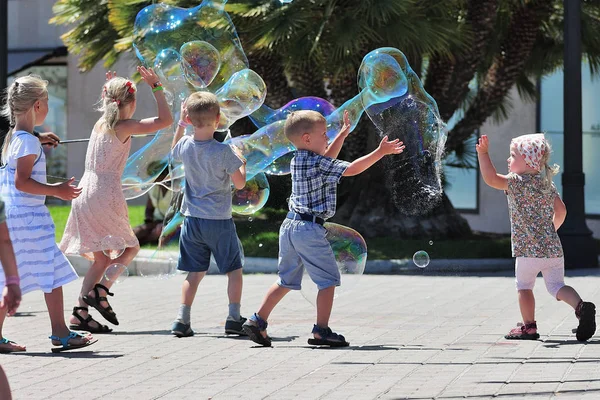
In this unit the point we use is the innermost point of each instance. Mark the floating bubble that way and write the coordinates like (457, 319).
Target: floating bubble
(421, 259)
(116, 273)
(350, 251)
(113, 246)
(280, 166)
(162, 264)
(201, 62)
(250, 219)
(260, 245)
(413, 117)
(252, 197)
(431, 242)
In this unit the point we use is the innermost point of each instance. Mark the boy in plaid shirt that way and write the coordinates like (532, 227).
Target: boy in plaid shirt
(302, 243)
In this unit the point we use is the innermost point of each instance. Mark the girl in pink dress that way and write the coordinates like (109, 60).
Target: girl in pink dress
(101, 210)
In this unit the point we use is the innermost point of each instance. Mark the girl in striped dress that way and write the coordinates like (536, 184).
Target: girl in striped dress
(42, 266)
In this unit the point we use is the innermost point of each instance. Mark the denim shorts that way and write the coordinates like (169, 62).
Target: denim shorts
(202, 237)
(302, 244)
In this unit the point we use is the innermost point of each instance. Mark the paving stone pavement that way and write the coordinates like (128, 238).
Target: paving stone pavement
(412, 337)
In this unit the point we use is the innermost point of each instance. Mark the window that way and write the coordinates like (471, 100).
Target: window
(551, 122)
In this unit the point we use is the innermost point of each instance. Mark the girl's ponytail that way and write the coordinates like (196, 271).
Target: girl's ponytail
(116, 93)
(548, 171)
(20, 97)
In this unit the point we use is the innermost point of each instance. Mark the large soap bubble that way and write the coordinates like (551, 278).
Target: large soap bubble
(412, 117)
(202, 62)
(350, 250)
(252, 197)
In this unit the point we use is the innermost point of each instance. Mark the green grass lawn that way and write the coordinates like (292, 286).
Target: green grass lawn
(259, 236)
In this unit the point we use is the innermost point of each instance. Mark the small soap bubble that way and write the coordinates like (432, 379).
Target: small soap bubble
(421, 259)
(431, 242)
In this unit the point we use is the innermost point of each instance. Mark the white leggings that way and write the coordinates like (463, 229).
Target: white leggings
(552, 269)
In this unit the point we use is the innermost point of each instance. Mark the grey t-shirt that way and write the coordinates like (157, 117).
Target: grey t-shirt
(207, 165)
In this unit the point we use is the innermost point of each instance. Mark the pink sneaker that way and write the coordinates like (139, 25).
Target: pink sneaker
(523, 332)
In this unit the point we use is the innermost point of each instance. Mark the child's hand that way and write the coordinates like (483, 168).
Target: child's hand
(183, 113)
(482, 145)
(390, 147)
(67, 191)
(148, 75)
(346, 127)
(49, 139)
(11, 298)
(110, 75)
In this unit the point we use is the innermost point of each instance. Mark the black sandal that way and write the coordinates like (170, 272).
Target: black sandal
(106, 312)
(84, 323)
(328, 338)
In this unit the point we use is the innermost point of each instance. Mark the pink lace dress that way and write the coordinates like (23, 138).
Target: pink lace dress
(101, 209)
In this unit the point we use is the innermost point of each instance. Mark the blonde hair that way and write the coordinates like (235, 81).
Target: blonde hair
(19, 99)
(116, 93)
(300, 122)
(548, 171)
(202, 108)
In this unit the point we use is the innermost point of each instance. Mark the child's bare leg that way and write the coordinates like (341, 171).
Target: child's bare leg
(234, 292)
(569, 296)
(4, 386)
(55, 304)
(273, 297)
(93, 276)
(527, 305)
(190, 287)
(324, 306)
(188, 293)
(7, 346)
(124, 259)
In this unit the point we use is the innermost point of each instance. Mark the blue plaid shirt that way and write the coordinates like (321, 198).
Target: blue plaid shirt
(314, 183)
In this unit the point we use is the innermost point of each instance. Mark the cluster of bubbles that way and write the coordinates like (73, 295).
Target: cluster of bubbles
(198, 49)
(113, 247)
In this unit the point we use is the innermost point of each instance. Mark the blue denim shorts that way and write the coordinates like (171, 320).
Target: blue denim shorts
(202, 237)
(302, 244)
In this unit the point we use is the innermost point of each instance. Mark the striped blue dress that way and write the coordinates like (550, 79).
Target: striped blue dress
(42, 266)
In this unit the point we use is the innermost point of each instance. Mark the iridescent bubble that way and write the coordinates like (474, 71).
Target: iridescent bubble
(280, 166)
(252, 197)
(250, 219)
(350, 250)
(421, 259)
(241, 95)
(413, 117)
(113, 246)
(201, 62)
(116, 273)
(431, 242)
(162, 264)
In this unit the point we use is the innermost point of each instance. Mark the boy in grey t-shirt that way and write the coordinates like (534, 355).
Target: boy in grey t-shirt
(210, 168)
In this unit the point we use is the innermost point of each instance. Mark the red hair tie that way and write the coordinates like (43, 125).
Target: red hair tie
(117, 101)
(131, 89)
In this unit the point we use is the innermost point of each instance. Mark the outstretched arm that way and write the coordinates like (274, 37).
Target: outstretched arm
(365, 162)
(488, 171)
(149, 125)
(336, 145)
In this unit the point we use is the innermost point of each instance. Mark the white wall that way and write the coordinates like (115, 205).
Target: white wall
(28, 25)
